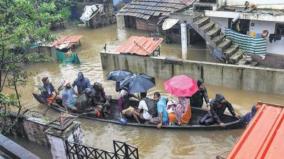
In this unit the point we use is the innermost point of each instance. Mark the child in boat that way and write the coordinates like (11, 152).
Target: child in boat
(162, 118)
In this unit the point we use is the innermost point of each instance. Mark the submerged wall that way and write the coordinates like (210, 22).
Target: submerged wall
(233, 76)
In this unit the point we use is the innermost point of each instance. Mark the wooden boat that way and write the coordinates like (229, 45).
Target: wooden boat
(230, 121)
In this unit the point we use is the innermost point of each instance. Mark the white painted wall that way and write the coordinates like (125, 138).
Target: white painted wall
(276, 47)
(257, 2)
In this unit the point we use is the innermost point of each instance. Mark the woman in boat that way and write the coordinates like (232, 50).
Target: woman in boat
(216, 112)
(197, 99)
(183, 111)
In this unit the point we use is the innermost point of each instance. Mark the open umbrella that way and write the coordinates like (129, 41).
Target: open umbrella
(138, 83)
(181, 86)
(118, 75)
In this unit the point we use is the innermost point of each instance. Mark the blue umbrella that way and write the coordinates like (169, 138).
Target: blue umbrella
(118, 75)
(138, 83)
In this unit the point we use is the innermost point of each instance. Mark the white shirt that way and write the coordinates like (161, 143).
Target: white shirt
(143, 106)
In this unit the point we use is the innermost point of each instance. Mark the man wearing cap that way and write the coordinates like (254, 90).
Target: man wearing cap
(48, 92)
(82, 83)
(197, 99)
(216, 112)
(68, 96)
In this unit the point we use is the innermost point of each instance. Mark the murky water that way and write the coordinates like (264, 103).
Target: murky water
(152, 143)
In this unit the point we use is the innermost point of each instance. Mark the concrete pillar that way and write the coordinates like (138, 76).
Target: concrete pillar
(183, 31)
(121, 32)
(57, 137)
(120, 21)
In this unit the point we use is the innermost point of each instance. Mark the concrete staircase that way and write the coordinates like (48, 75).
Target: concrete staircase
(216, 39)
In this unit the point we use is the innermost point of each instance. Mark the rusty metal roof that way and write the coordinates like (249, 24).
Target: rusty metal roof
(140, 45)
(66, 40)
(263, 138)
(145, 9)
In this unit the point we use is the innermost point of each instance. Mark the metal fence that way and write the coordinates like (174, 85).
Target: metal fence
(121, 151)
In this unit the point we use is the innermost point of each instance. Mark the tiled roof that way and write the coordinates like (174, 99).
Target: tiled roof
(263, 138)
(139, 45)
(69, 40)
(146, 8)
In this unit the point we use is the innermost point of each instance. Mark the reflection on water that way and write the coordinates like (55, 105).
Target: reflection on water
(152, 143)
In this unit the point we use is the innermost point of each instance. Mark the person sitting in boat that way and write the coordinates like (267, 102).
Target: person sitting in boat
(146, 105)
(48, 92)
(162, 118)
(100, 98)
(216, 112)
(183, 111)
(196, 100)
(82, 83)
(85, 101)
(69, 96)
(249, 116)
(123, 99)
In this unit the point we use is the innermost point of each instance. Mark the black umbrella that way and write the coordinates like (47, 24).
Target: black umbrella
(118, 75)
(138, 83)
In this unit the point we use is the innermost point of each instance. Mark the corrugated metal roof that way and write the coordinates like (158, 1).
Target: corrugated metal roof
(264, 136)
(146, 8)
(68, 40)
(140, 45)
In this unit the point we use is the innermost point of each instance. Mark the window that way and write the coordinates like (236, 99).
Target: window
(279, 29)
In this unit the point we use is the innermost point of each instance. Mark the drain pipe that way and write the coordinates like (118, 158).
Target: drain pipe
(183, 31)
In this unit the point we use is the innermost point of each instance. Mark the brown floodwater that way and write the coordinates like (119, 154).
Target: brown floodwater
(152, 143)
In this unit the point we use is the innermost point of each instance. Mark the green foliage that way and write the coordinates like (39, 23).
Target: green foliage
(23, 23)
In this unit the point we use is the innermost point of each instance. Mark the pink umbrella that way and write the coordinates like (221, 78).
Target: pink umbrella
(181, 86)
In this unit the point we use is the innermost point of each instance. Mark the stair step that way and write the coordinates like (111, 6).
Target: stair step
(214, 32)
(208, 26)
(226, 43)
(236, 57)
(231, 50)
(196, 17)
(218, 39)
(202, 21)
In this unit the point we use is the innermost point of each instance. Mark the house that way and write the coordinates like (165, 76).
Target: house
(145, 14)
(257, 26)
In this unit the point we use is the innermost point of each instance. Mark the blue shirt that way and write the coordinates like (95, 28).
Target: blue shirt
(81, 84)
(47, 91)
(68, 98)
(162, 108)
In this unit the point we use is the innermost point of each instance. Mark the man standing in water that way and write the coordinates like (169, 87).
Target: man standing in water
(82, 83)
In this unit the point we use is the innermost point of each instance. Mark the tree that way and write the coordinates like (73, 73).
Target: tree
(23, 23)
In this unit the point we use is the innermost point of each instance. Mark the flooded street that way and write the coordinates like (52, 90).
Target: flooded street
(152, 143)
